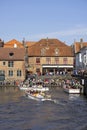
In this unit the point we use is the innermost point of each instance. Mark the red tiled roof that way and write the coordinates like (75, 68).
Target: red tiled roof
(30, 43)
(79, 45)
(12, 53)
(12, 43)
(50, 45)
(51, 42)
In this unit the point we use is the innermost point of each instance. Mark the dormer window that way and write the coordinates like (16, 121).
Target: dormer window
(4, 62)
(11, 54)
(56, 51)
(15, 45)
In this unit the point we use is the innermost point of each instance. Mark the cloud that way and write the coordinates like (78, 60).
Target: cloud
(64, 33)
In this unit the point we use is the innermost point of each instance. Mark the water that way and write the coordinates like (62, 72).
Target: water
(17, 112)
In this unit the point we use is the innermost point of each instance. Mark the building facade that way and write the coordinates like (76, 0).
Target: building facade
(12, 63)
(50, 56)
(80, 55)
(81, 59)
(47, 56)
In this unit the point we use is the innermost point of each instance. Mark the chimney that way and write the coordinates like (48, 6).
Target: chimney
(1, 43)
(81, 42)
(47, 46)
(23, 42)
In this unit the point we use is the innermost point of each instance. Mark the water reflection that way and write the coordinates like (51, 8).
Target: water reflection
(74, 96)
(9, 94)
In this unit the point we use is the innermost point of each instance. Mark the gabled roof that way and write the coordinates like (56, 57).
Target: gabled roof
(12, 54)
(79, 45)
(50, 42)
(13, 44)
(48, 47)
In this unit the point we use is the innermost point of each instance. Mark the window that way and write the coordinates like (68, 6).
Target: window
(57, 60)
(10, 63)
(84, 59)
(15, 45)
(37, 60)
(10, 72)
(19, 73)
(56, 51)
(65, 61)
(48, 60)
(4, 62)
(2, 72)
(80, 57)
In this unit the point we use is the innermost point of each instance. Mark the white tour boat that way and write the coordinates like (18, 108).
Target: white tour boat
(71, 90)
(37, 95)
(34, 87)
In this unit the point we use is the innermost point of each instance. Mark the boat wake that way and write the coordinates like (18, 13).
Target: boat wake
(51, 100)
(55, 101)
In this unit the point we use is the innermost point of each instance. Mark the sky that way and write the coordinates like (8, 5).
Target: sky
(32, 20)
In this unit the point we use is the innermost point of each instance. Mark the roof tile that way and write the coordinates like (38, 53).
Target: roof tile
(12, 53)
(49, 46)
(13, 44)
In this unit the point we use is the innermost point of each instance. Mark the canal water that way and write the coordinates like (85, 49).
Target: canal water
(65, 112)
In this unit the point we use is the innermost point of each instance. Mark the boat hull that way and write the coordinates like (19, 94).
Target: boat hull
(72, 91)
(37, 98)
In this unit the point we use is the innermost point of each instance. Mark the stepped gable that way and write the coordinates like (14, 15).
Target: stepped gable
(47, 47)
(13, 44)
(12, 54)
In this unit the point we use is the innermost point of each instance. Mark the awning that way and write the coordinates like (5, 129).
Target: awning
(68, 66)
(55, 66)
(50, 66)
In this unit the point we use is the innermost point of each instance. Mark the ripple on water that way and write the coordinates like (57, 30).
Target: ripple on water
(20, 113)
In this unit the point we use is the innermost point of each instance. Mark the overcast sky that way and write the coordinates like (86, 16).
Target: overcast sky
(33, 20)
